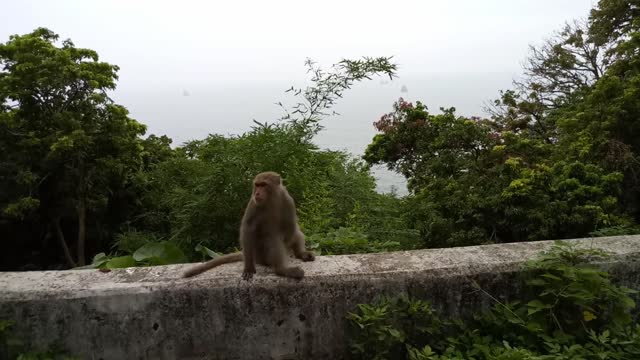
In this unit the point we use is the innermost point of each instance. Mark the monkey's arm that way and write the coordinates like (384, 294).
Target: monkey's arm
(224, 259)
(249, 262)
(249, 254)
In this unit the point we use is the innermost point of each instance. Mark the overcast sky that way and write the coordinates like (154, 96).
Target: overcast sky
(234, 58)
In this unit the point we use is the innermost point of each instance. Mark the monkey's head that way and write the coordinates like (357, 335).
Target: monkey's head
(265, 185)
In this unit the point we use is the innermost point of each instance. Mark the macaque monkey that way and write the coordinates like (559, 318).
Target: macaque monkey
(268, 232)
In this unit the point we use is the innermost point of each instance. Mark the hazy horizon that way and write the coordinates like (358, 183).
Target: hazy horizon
(234, 60)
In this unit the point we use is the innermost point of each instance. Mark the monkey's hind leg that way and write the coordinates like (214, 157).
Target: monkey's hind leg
(278, 260)
(299, 250)
(295, 272)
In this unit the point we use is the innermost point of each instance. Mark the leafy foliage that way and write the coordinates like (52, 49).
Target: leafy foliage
(67, 149)
(472, 184)
(617, 230)
(348, 241)
(571, 311)
(74, 165)
(196, 197)
(327, 88)
(149, 254)
(557, 159)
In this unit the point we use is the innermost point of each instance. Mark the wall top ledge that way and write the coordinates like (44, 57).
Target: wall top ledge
(34, 285)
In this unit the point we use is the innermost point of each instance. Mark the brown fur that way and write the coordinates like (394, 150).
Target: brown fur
(268, 232)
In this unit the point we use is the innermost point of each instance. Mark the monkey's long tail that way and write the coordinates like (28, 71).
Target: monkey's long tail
(224, 259)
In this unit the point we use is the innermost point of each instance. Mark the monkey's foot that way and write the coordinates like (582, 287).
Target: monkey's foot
(292, 272)
(248, 274)
(308, 256)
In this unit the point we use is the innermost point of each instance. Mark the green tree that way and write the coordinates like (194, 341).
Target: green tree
(66, 145)
(450, 163)
(197, 196)
(472, 184)
(580, 95)
(601, 125)
(557, 159)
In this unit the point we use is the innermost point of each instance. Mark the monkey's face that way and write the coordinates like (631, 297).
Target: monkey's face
(261, 192)
(264, 187)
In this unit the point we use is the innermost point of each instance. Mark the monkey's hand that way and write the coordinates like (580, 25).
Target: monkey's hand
(247, 274)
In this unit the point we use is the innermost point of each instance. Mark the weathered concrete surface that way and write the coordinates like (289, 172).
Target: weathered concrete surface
(151, 313)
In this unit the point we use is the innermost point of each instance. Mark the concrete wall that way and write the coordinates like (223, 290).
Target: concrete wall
(151, 313)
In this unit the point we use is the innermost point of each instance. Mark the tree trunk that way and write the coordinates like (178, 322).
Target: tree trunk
(63, 244)
(82, 217)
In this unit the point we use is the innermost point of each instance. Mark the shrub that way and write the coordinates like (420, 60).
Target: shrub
(571, 310)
